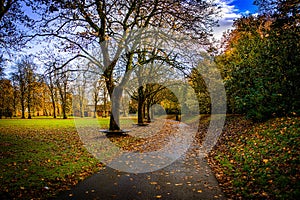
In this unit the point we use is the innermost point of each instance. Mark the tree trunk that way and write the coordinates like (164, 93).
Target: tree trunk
(140, 113)
(53, 95)
(63, 96)
(54, 107)
(144, 110)
(105, 102)
(15, 103)
(81, 108)
(114, 123)
(140, 105)
(29, 110)
(58, 110)
(23, 108)
(148, 113)
(64, 112)
(65, 102)
(95, 110)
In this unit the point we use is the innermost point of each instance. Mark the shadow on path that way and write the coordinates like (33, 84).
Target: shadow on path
(189, 177)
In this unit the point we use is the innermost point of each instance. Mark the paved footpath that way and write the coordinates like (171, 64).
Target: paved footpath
(189, 177)
(186, 178)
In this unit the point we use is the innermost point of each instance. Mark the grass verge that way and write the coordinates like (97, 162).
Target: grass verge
(259, 161)
(41, 157)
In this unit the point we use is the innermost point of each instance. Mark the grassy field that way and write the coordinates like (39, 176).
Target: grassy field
(43, 156)
(40, 157)
(259, 161)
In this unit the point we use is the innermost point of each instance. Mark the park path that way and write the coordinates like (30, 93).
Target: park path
(189, 177)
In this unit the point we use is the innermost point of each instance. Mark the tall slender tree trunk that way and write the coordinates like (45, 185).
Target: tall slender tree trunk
(141, 105)
(53, 95)
(63, 97)
(148, 112)
(105, 102)
(64, 111)
(54, 107)
(81, 108)
(29, 111)
(22, 108)
(95, 110)
(65, 101)
(58, 110)
(15, 103)
(29, 104)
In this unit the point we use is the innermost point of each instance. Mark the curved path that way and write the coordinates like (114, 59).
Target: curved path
(189, 177)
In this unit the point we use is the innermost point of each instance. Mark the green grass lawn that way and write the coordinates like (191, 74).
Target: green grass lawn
(42, 156)
(260, 161)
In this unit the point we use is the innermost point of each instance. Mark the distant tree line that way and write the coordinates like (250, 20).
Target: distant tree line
(27, 93)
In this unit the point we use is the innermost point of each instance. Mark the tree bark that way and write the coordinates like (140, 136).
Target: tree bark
(29, 100)
(115, 115)
(29, 109)
(54, 106)
(148, 113)
(95, 111)
(141, 105)
(23, 108)
(65, 101)
(104, 102)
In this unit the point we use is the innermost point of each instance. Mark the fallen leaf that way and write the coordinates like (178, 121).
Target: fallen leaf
(178, 184)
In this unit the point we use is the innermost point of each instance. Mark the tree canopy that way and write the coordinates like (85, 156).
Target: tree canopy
(114, 34)
(260, 62)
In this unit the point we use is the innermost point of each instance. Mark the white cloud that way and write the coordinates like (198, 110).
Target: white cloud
(247, 12)
(227, 15)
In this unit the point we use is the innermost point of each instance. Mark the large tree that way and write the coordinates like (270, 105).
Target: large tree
(147, 81)
(25, 75)
(50, 80)
(118, 28)
(62, 85)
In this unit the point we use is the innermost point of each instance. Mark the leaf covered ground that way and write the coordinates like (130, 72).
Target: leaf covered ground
(258, 161)
(42, 157)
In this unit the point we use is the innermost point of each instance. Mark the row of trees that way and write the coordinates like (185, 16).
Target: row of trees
(26, 91)
(64, 93)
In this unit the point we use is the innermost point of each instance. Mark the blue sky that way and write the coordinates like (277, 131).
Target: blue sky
(244, 6)
(231, 10)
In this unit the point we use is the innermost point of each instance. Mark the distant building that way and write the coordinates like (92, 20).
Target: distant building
(101, 111)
